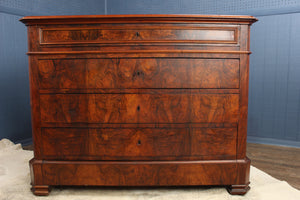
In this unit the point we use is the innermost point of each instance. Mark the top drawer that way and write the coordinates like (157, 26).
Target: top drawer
(137, 34)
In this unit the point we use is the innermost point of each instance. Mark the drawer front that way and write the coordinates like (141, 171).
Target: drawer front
(127, 34)
(213, 141)
(128, 143)
(138, 73)
(139, 108)
(138, 143)
(61, 143)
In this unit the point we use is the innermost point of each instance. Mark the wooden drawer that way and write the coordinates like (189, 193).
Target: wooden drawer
(126, 143)
(138, 73)
(137, 34)
(138, 143)
(139, 108)
(64, 142)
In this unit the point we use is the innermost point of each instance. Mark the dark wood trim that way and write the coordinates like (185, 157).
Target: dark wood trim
(137, 51)
(244, 88)
(140, 125)
(92, 19)
(192, 42)
(238, 189)
(139, 91)
(41, 190)
(175, 173)
(141, 42)
(105, 55)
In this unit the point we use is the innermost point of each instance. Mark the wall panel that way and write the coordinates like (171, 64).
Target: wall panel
(15, 121)
(274, 95)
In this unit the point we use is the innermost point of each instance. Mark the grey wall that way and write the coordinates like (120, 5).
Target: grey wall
(14, 98)
(274, 95)
(15, 122)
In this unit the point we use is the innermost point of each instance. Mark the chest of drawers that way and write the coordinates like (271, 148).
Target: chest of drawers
(139, 100)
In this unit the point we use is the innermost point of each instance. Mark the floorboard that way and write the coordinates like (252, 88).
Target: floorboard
(280, 162)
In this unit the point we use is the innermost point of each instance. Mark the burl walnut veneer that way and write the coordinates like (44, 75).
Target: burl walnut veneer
(139, 100)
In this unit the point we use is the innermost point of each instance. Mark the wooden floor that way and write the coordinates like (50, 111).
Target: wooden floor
(280, 162)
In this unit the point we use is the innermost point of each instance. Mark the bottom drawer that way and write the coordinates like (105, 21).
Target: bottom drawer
(138, 143)
(141, 173)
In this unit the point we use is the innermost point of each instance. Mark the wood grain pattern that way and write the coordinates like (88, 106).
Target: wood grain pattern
(139, 100)
(139, 108)
(139, 125)
(62, 74)
(127, 34)
(202, 139)
(61, 143)
(214, 108)
(142, 173)
(155, 143)
(138, 143)
(140, 91)
(139, 73)
(280, 162)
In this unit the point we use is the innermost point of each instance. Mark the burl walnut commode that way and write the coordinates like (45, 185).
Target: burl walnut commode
(139, 100)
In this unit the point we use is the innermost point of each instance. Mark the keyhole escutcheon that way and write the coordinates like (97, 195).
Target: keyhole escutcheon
(137, 34)
(139, 142)
(138, 108)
